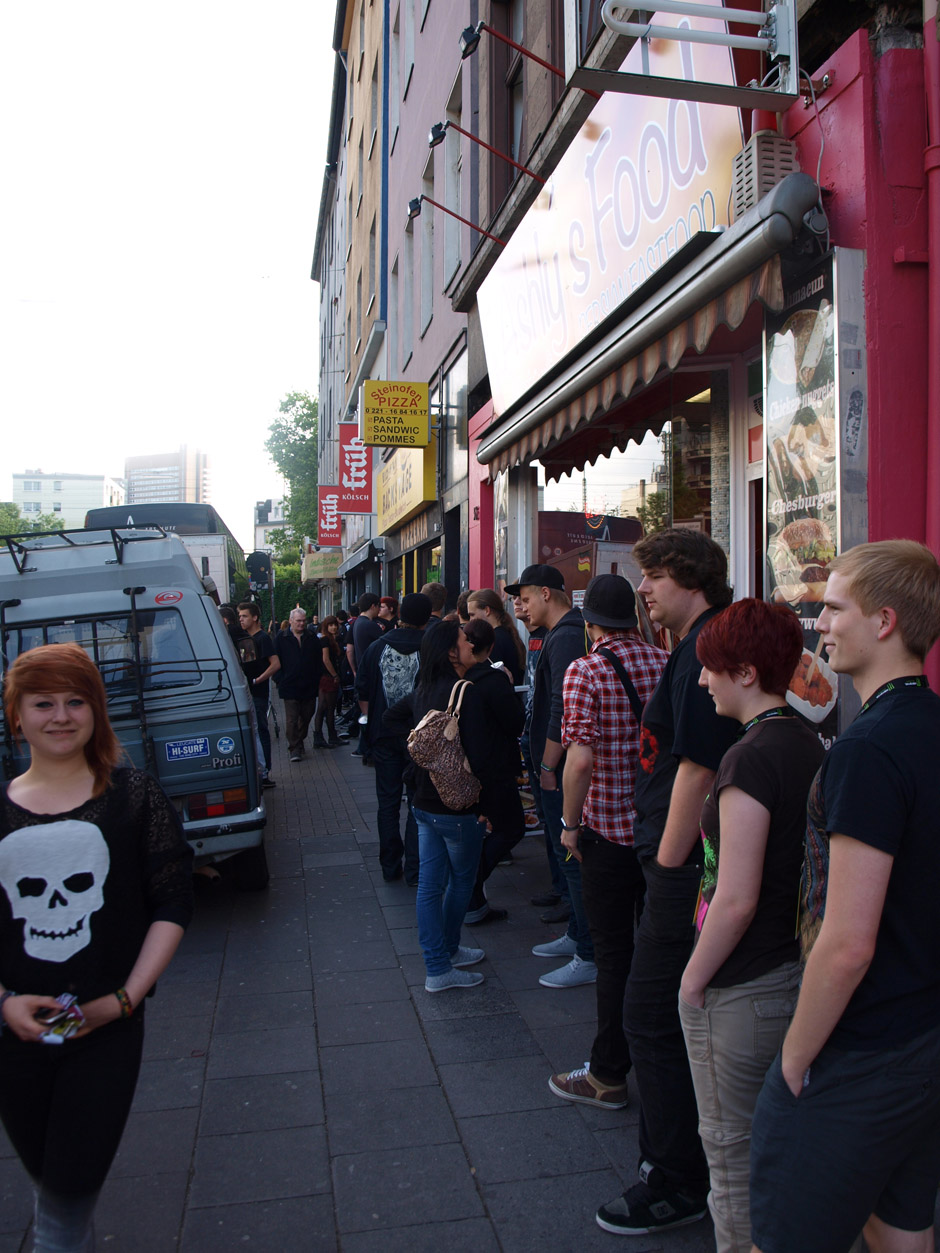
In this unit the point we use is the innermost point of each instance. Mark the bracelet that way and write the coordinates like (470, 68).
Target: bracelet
(3, 997)
(125, 1002)
(565, 827)
(547, 769)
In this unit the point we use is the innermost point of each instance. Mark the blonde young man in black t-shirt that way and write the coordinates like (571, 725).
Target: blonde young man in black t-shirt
(846, 1132)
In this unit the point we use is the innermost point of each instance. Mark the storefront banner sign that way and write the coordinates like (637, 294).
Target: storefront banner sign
(355, 471)
(802, 481)
(329, 519)
(394, 414)
(642, 177)
(323, 565)
(404, 485)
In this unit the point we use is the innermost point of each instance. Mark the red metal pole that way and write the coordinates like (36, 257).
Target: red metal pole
(496, 152)
(466, 221)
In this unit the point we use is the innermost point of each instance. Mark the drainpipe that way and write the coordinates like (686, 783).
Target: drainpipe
(932, 169)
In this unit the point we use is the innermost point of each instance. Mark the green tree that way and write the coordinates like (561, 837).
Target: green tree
(292, 446)
(654, 512)
(12, 522)
(288, 592)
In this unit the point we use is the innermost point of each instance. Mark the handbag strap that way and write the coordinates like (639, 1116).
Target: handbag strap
(457, 691)
(635, 703)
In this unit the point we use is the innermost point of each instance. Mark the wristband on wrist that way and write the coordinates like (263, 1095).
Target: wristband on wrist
(125, 1002)
(3, 998)
(566, 827)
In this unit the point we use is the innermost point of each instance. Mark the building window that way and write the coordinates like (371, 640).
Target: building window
(515, 80)
(375, 103)
(372, 262)
(393, 322)
(57, 485)
(409, 6)
(361, 176)
(408, 296)
(394, 82)
(427, 247)
(358, 310)
(452, 172)
(57, 506)
(32, 506)
(32, 485)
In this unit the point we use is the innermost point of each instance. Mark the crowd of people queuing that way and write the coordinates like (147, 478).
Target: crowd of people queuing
(756, 913)
(788, 1086)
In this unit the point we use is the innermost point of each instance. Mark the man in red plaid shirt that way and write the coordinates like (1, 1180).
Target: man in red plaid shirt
(601, 732)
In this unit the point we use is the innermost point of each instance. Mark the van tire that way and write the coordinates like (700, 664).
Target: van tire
(250, 869)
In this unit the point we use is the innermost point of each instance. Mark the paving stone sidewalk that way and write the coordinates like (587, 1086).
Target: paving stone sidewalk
(301, 1090)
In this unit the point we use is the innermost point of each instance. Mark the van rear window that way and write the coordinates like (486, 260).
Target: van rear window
(166, 655)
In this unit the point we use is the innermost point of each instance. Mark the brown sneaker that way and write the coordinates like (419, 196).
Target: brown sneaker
(580, 1085)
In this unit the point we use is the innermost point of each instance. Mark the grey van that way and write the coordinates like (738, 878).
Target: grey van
(177, 697)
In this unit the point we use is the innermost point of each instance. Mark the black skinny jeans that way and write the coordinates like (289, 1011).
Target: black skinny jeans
(503, 806)
(669, 1136)
(64, 1106)
(612, 887)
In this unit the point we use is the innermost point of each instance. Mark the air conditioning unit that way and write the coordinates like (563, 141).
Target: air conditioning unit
(764, 160)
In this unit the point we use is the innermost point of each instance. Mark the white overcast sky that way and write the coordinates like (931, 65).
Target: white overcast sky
(162, 168)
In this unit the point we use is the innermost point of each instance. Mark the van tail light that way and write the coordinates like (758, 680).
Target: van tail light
(233, 800)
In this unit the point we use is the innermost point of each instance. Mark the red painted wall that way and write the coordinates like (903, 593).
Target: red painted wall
(873, 120)
(480, 499)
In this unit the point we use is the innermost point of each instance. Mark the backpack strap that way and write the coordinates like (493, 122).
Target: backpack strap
(632, 696)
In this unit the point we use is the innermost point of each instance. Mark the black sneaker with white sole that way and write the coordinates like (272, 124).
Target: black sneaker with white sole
(641, 1210)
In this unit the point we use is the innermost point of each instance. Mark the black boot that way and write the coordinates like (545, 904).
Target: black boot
(319, 741)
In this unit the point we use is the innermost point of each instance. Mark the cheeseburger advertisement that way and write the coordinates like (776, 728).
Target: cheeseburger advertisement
(802, 473)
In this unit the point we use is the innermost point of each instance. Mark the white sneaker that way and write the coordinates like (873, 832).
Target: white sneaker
(564, 946)
(466, 956)
(573, 975)
(452, 979)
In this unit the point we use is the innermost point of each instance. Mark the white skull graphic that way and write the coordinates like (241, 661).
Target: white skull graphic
(54, 877)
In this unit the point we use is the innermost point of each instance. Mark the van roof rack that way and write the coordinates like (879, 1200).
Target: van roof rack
(22, 544)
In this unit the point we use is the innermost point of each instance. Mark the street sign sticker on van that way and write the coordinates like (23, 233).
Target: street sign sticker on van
(226, 745)
(167, 598)
(185, 750)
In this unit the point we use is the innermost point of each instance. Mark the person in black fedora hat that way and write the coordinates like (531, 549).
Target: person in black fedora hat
(604, 694)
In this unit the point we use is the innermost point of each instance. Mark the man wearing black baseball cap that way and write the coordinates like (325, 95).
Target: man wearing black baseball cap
(542, 591)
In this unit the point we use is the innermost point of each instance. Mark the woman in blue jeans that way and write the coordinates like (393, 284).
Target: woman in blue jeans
(450, 841)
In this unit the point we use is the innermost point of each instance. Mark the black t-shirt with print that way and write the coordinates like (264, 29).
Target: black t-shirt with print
(679, 721)
(774, 762)
(255, 653)
(880, 784)
(79, 890)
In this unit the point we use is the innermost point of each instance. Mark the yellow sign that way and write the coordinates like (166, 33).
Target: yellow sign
(394, 415)
(405, 484)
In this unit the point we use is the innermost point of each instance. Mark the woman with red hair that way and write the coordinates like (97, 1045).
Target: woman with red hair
(97, 891)
(739, 990)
